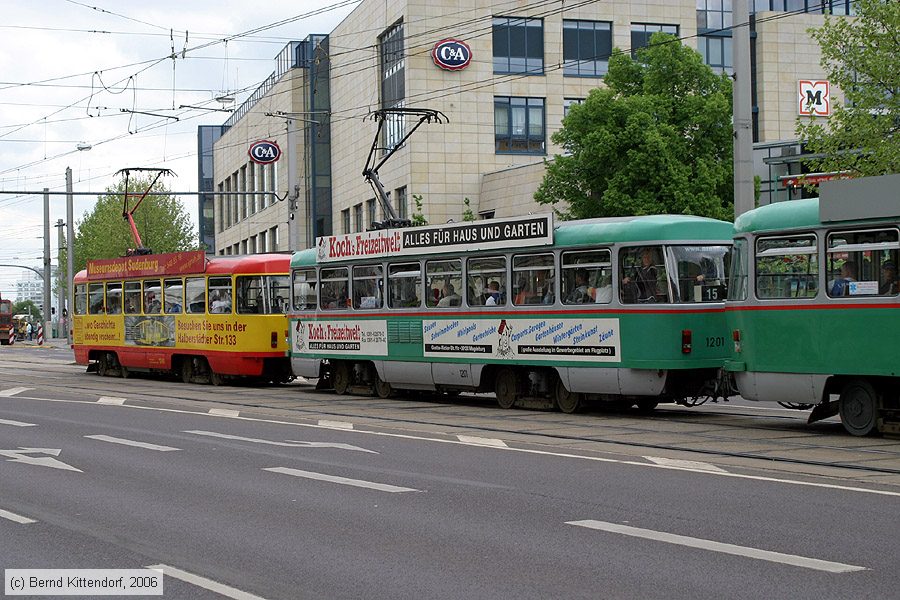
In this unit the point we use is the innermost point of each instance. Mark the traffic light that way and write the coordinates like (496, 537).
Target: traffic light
(65, 313)
(52, 310)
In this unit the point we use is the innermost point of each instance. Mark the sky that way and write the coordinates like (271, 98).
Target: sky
(84, 74)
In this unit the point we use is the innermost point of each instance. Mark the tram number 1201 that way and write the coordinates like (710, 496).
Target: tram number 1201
(715, 342)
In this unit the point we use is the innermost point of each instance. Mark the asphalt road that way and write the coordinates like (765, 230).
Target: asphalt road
(275, 496)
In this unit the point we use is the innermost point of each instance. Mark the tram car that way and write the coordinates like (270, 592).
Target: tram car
(203, 319)
(623, 310)
(813, 304)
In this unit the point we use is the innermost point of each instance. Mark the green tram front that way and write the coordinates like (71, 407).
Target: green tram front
(813, 304)
(626, 310)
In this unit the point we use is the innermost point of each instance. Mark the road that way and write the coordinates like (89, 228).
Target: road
(284, 492)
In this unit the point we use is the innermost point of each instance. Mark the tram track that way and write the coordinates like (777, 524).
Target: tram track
(339, 407)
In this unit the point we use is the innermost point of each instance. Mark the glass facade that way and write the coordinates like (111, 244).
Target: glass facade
(518, 45)
(587, 46)
(642, 32)
(519, 125)
(393, 84)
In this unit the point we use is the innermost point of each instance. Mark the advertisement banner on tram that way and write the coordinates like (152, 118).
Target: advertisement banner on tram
(367, 338)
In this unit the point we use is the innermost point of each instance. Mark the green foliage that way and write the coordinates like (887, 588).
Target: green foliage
(862, 57)
(418, 217)
(657, 139)
(468, 214)
(27, 307)
(161, 221)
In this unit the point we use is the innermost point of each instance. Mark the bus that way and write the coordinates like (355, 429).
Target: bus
(813, 305)
(7, 335)
(624, 310)
(203, 319)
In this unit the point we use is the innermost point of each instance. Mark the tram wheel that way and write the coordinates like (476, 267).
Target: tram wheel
(340, 377)
(506, 388)
(124, 373)
(566, 401)
(859, 405)
(103, 365)
(382, 388)
(215, 379)
(187, 370)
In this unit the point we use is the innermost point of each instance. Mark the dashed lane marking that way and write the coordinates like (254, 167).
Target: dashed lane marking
(224, 412)
(17, 423)
(335, 424)
(372, 485)
(11, 516)
(480, 441)
(203, 582)
(746, 551)
(14, 391)
(111, 400)
(687, 465)
(136, 444)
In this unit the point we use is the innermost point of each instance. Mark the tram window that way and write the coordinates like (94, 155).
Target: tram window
(443, 283)
(367, 285)
(304, 289)
(700, 272)
(172, 296)
(643, 275)
(737, 277)
(862, 263)
(533, 279)
(95, 299)
(586, 277)
(279, 294)
(220, 295)
(486, 281)
(404, 285)
(334, 289)
(787, 267)
(152, 297)
(132, 297)
(114, 298)
(195, 295)
(249, 295)
(80, 299)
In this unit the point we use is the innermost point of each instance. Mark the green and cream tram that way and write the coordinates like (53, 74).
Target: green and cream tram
(627, 310)
(813, 309)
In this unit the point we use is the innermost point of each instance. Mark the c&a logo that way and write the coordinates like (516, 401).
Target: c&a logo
(451, 55)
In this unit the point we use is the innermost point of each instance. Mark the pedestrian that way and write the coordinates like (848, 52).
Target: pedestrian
(28, 330)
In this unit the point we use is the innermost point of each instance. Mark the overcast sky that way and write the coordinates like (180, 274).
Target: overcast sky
(68, 70)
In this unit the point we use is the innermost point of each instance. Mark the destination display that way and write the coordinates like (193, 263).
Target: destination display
(529, 230)
(147, 265)
(588, 340)
(340, 337)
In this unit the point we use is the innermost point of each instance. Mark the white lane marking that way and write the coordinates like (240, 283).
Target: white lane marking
(687, 465)
(44, 461)
(224, 412)
(692, 542)
(11, 516)
(203, 582)
(124, 442)
(480, 441)
(111, 400)
(17, 423)
(14, 391)
(827, 486)
(372, 485)
(335, 424)
(285, 444)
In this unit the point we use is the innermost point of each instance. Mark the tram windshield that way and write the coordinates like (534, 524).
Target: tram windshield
(699, 273)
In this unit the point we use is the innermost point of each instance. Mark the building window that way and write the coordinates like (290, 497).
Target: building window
(519, 125)
(220, 210)
(568, 103)
(357, 216)
(518, 45)
(243, 188)
(401, 206)
(345, 220)
(716, 52)
(586, 48)
(262, 242)
(273, 238)
(641, 33)
(714, 14)
(393, 90)
(834, 7)
(370, 212)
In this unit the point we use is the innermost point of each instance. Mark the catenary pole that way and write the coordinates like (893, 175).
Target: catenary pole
(70, 253)
(46, 309)
(743, 120)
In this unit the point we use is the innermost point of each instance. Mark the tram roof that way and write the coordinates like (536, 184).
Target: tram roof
(791, 214)
(609, 230)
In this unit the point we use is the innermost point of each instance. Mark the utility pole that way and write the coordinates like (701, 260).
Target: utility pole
(48, 320)
(70, 251)
(60, 290)
(293, 190)
(743, 118)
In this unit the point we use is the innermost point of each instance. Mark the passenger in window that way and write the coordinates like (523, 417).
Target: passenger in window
(548, 296)
(603, 294)
(889, 283)
(494, 295)
(640, 286)
(581, 293)
(221, 303)
(840, 286)
(525, 295)
(451, 298)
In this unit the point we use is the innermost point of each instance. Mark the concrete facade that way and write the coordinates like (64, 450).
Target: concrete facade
(446, 163)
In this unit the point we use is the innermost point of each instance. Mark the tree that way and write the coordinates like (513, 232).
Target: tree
(418, 216)
(468, 213)
(861, 56)
(657, 139)
(161, 221)
(27, 307)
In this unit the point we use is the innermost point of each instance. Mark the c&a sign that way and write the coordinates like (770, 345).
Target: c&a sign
(451, 55)
(815, 98)
(264, 152)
